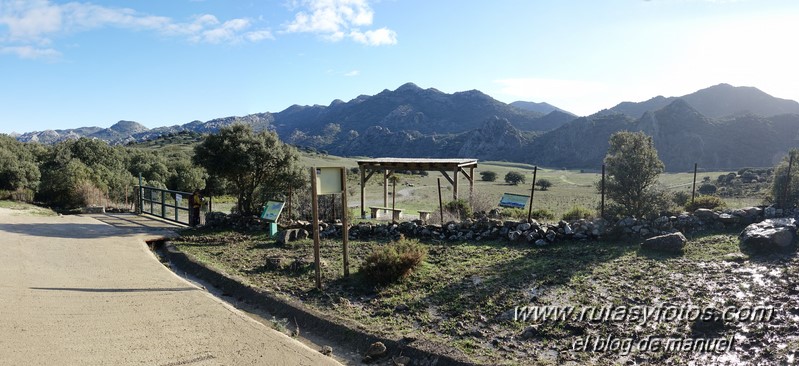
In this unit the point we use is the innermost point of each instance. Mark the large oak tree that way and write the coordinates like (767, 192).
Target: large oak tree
(255, 165)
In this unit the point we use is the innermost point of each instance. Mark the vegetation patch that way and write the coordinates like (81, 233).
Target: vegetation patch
(465, 294)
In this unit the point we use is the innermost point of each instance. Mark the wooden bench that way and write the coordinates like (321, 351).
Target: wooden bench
(424, 215)
(395, 212)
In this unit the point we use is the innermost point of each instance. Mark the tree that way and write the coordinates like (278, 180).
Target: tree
(488, 176)
(514, 178)
(543, 183)
(707, 189)
(633, 167)
(18, 167)
(255, 165)
(778, 190)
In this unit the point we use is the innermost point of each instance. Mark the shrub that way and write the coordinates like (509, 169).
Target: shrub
(709, 202)
(394, 261)
(680, 198)
(542, 214)
(488, 176)
(707, 189)
(514, 178)
(544, 184)
(578, 212)
(460, 208)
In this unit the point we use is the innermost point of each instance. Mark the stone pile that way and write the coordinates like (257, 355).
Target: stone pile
(534, 232)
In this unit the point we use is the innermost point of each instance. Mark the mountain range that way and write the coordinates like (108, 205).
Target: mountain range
(718, 127)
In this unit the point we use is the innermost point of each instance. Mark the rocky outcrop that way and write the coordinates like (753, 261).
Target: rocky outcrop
(770, 234)
(670, 243)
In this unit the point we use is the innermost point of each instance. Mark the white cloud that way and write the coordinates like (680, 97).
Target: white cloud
(336, 20)
(29, 52)
(353, 73)
(379, 37)
(36, 22)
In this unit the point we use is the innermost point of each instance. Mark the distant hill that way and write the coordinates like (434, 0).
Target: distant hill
(682, 135)
(717, 101)
(718, 127)
(542, 107)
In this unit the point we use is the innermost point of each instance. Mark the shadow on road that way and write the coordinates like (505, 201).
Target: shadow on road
(110, 225)
(77, 289)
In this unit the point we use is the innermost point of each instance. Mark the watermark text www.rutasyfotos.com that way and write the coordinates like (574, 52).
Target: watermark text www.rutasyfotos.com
(642, 315)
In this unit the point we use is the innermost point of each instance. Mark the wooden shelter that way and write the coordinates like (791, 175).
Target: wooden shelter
(389, 165)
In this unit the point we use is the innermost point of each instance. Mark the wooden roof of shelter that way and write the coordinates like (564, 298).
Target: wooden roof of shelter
(417, 163)
(387, 166)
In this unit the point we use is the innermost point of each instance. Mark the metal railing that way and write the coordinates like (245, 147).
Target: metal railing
(166, 204)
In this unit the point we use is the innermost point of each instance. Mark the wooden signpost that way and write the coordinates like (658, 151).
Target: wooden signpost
(329, 180)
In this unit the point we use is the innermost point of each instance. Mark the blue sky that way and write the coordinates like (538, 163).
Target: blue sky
(68, 64)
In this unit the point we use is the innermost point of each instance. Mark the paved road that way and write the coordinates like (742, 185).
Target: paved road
(77, 291)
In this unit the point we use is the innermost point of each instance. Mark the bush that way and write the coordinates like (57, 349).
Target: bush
(542, 214)
(578, 212)
(488, 176)
(707, 189)
(514, 178)
(543, 183)
(460, 208)
(709, 202)
(391, 262)
(680, 198)
(520, 213)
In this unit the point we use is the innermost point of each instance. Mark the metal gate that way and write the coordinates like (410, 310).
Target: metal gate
(166, 204)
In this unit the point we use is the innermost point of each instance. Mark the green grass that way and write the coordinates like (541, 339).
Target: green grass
(459, 294)
(570, 187)
(27, 208)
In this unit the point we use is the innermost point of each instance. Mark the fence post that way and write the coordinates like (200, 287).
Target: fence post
(440, 203)
(532, 193)
(693, 189)
(602, 204)
(163, 204)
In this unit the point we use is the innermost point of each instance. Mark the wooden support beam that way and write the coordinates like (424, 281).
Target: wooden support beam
(364, 178)
(455, 184)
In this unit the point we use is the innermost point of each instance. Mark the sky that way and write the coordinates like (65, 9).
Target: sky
(69, 64)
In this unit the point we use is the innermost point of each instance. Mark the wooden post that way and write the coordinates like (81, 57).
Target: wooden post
(385, 188)
(602, 204)
(345, 233)
(440, 203)
(787, 181)
(693, 188)
(455, 184)
(532, 193)
(315, 213)
(363, 188)
(393, 195)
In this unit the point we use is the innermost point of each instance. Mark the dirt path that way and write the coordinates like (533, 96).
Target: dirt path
(77, 291)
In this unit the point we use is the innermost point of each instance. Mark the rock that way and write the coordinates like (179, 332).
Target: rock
(375, 351)
(753, 211)
(706, 214)
(540, 242)
(283, 237)
(770, 234)
(514, 235)
(770, 212)
(523, 227)
(529, 332)
(275, 262)
(401, 360)
(728, 219)
(327, 350)
(735, 257)
(671, 243)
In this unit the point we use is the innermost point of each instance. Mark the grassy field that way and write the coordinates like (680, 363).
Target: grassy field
(464, 294)
(570, 187)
